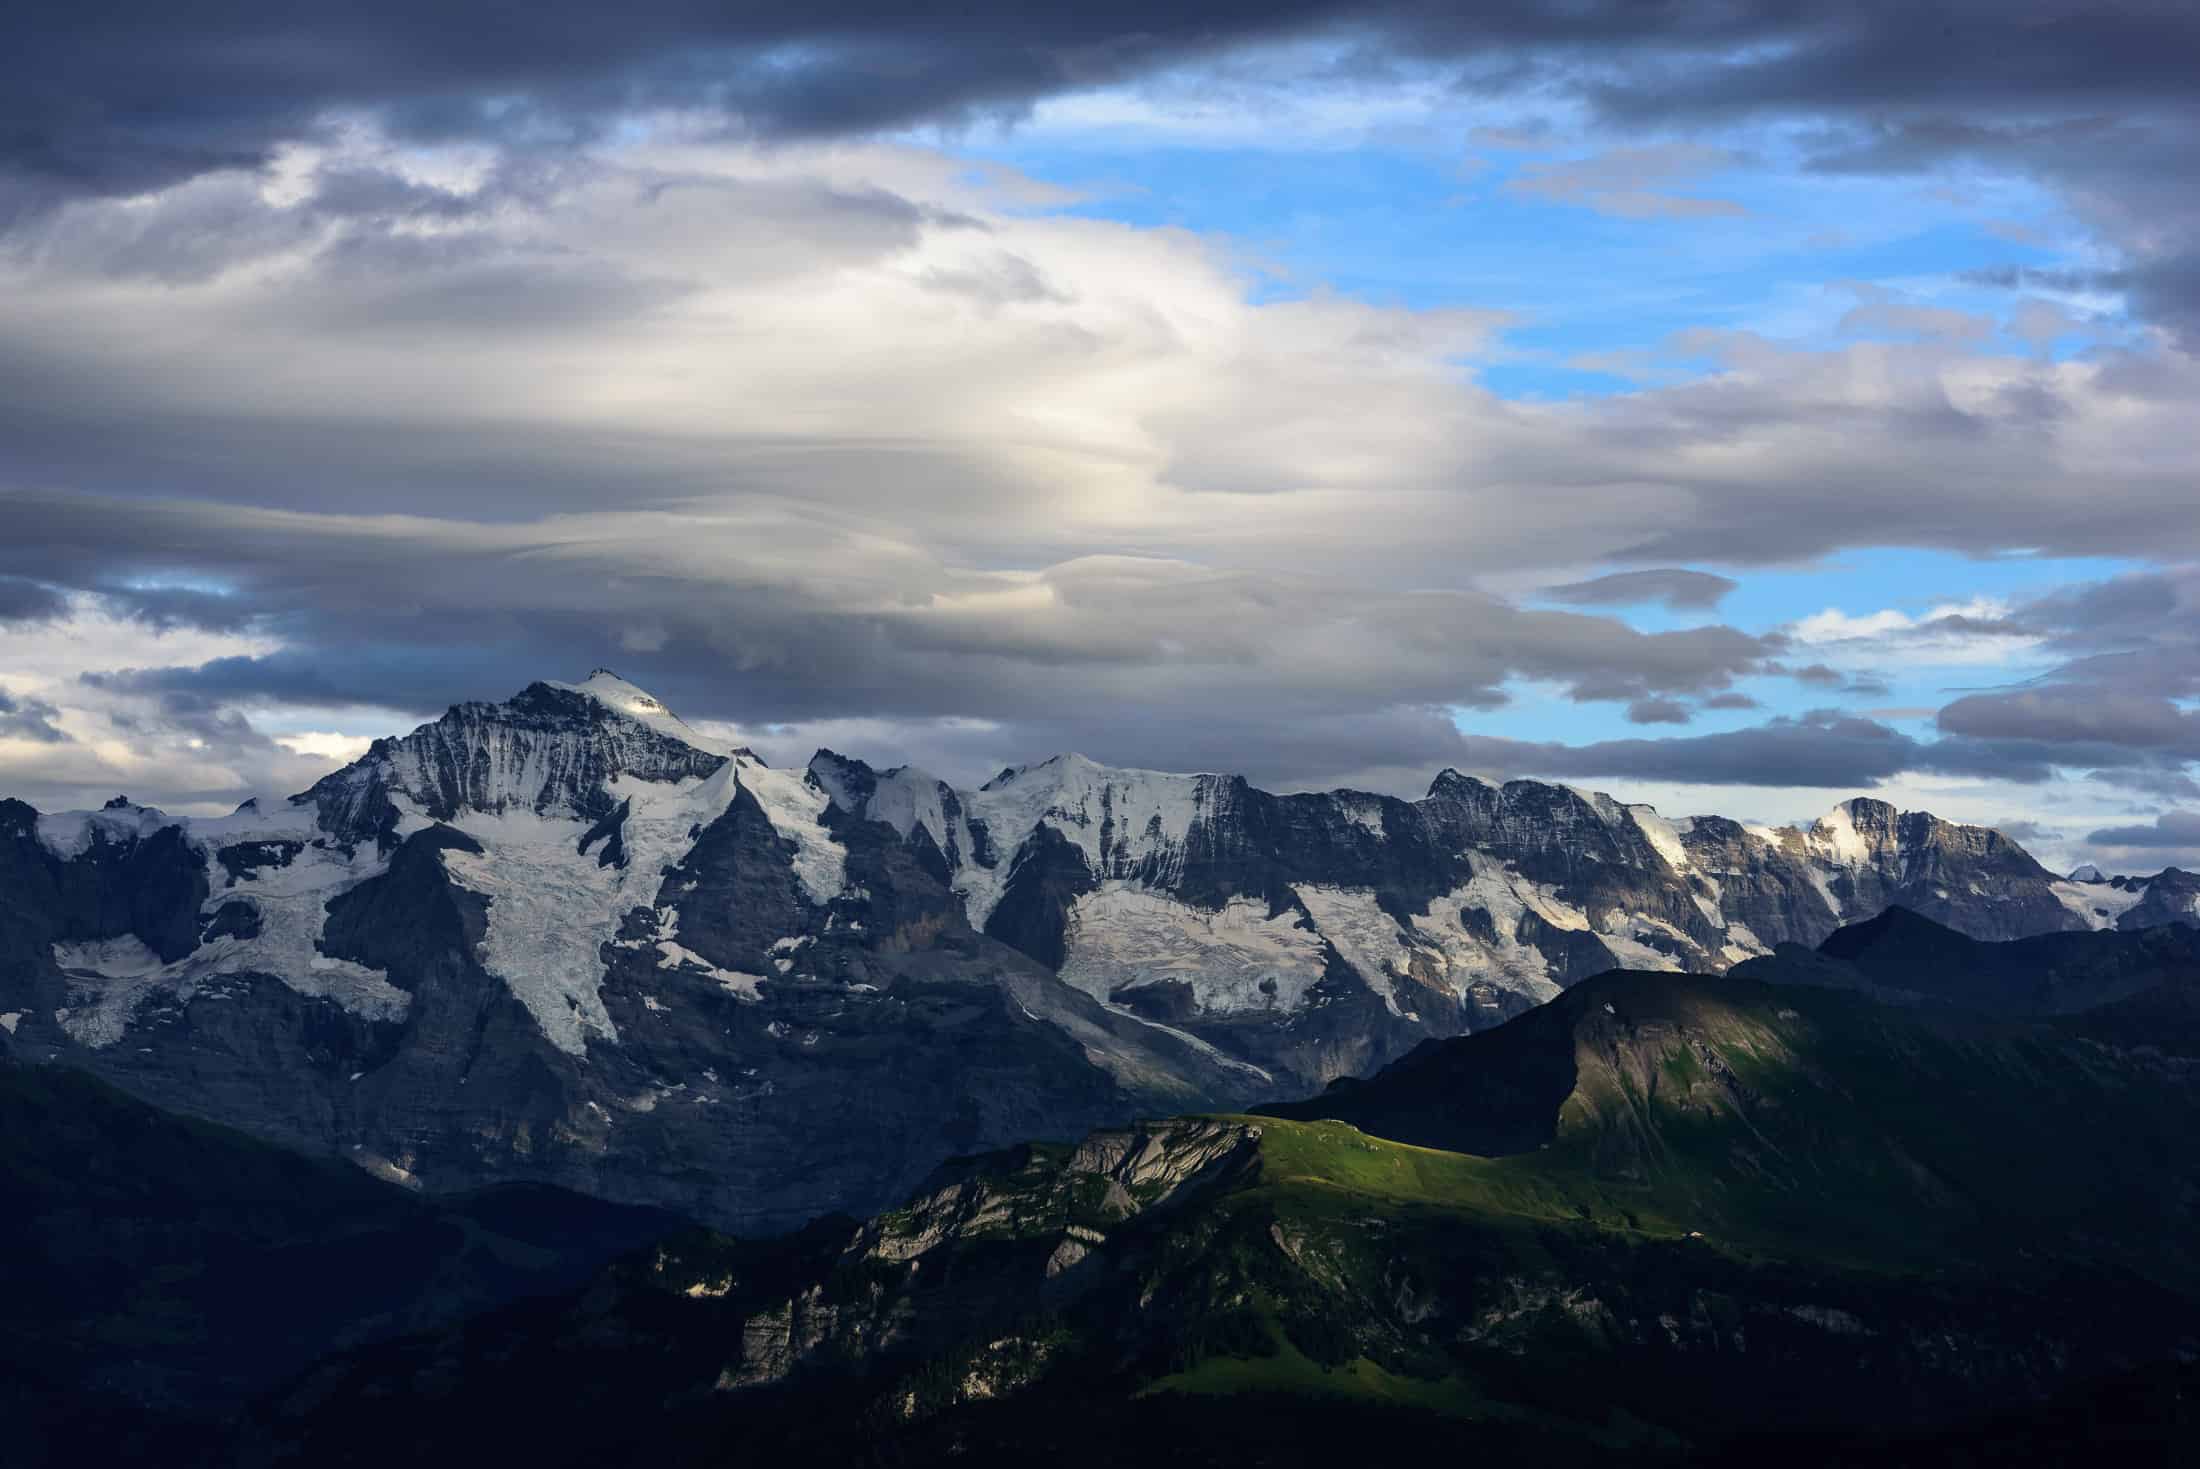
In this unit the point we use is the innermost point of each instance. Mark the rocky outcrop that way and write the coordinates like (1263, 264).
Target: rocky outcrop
(1040, 1218)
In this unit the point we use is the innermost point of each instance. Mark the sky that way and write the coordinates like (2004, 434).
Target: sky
(1738, 407)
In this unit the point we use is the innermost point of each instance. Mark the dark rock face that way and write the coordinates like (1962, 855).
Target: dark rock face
(1906, 958)
(2170, 896)
(1967, 877)
(567, 938)
(132, 876)
(1269, 925)
(1047, 878)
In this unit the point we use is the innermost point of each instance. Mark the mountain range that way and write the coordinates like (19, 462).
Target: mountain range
(570, 939)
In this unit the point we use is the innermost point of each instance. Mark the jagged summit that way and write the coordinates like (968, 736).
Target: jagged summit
(2086, 872)
(553, 749)
(1450, 776)
(1070, 765)
(638, 704)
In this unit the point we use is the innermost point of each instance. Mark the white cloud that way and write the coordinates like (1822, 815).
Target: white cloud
(1973, 633)
(323, 744)
(872, 436)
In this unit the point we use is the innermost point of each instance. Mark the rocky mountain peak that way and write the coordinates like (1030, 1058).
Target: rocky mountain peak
(616, 694)
(1449, 779)
(552, 749)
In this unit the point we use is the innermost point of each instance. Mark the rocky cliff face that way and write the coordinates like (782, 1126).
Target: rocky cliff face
(1319, 935)
(570, 938)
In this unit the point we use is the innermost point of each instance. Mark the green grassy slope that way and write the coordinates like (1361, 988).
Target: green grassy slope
(1808, 1121)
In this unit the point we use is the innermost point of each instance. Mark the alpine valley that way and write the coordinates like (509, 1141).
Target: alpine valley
(568, 939)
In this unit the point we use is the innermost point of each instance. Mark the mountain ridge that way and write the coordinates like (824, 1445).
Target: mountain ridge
(570, 938)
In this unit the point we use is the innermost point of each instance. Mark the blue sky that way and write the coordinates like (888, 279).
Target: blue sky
(1452, 222)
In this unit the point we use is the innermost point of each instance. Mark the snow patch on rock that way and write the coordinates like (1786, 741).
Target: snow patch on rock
(552, 907)
(795, 803)
(1440, 947)
(1664, 837)
(70, 834)
(1237, 959)
(1835, 834)
(111, 978)
(641, 706)
(1127, 823)
(2098, 903)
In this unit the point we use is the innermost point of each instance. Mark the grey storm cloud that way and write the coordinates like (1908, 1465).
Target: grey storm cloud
(1657, 711)
(23, 600)
(159, 93)
(1681, 590)
(782, 615)
(2121, 700)
(1825, 748)
(2078, 712)
(2172, 829)
(29, 719)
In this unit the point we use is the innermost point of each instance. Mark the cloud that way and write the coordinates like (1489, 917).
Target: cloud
(1680, 590)
(1657, 711)
(464, 352)
(29, 719)
(757, 456)
(2078, 713)
(1978, 633)
(1907, 319)
(2095, 100)
(2179, 829)
(1824, 748)
(1624, 182)
(777, 613)
(23, 600)
(823, 325)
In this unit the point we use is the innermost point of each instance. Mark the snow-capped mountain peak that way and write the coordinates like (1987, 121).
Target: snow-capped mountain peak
(553, 749)
(641, 706)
